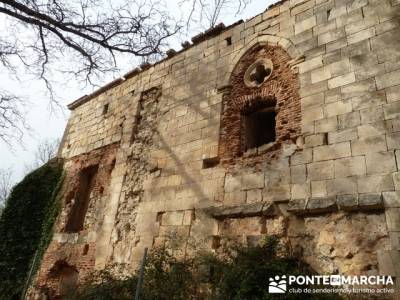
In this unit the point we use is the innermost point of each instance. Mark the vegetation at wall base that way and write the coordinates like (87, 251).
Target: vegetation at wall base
(241, 274)
(26, 224)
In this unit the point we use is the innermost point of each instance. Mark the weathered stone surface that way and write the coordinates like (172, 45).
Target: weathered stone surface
(321, 205)
(350, 166)
(380, 162)
(347, 202)
(370, 201)
(375, 183)
(242, 211)
(321, 170)
(297, 206)
(332, 151)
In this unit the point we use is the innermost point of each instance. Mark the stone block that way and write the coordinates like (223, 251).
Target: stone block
(364, 60)
(301, 157)
(349, 120)
(315, 140)
(321, 170)
(361, 36)
(371, 115)
(277, 193)
(326, 125)
(331, 36)
(370, 71)
(337, 108)
(235, 198)
(300, 191)
(232, 183)
(386, 261)
(312, 114)
(340, 67)
(396, 180)
(392, 110)
(342, 136)
(188, 217)
(297, 207)
(391, 199)
(173, 218)
(368, 100)
(347, 202)
(253, 181)
(350, 166)
(393, 93)
(333, 95)
(386, 45)
(370, 130)
(371, 201)
(380, 162)
(369, 145)
(298, 174)
(332, 151)
(388, 79)
(321, 205)
(310, 64)
(342, 80)
(253, 196)
(313, 100)
(375, 183)
(313, 89)
(320, 74)
(393, 219)
(304, 25)
(318, 188)
(341, 186)
(358, 88)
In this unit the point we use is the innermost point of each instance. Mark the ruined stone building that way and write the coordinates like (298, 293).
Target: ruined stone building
(287, 124)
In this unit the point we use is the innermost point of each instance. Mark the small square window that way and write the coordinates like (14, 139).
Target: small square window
(259, 128)
(228, 41)
(211, 162)
(105, 108)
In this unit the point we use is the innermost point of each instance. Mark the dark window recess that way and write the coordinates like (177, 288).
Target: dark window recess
(68, 280)
(258, 125)
(85, 249)
(105, 108)
(211, 162)
(78, 212)
(259, 74)
(228, 41)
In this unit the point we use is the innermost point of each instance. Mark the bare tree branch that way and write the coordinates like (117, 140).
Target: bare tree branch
(45, 151)
(208, 12)
(12, 118)
(6, 184)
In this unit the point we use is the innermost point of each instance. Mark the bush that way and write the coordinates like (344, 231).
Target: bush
(241, 274)
(27, 218)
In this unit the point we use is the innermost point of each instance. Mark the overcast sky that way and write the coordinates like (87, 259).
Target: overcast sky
(47, 125)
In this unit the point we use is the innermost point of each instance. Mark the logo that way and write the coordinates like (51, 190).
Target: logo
(277, 285)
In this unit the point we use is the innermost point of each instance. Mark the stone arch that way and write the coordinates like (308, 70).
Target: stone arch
(280, 92)
(261, 39)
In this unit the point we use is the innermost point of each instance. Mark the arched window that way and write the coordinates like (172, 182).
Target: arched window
(261, 107)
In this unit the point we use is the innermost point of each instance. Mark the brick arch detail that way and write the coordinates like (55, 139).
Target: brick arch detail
(282, 87)
(261, 39)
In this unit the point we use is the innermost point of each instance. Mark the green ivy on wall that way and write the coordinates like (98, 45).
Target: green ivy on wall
(26, 226)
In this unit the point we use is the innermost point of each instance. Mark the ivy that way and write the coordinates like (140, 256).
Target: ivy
(26, 226)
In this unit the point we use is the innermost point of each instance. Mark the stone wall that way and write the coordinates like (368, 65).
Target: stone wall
(328, 185)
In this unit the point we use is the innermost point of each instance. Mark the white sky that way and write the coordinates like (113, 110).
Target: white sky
(47, 125)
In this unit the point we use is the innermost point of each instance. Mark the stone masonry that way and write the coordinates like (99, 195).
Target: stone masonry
(287, 124)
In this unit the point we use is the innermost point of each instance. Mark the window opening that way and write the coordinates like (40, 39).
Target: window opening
(258, 125)
(78, 212)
